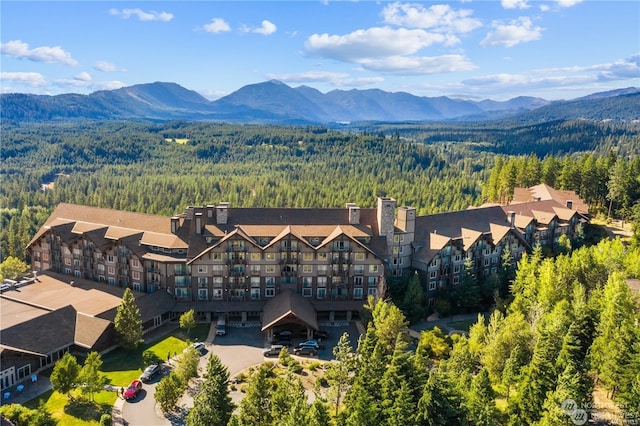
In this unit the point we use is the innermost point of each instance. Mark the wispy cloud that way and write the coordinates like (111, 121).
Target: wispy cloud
(104, 66)
(515, 4)
(142, 15)
(510, 34)
(45, 54)
(266, 28)
(217, 25)
(439, 18)
(32, 79)
(336, 79)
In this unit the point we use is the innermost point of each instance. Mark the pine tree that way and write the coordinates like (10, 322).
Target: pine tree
(255, 407)
(128, 321)
(440, 404)
(480, 401)
(212, 405)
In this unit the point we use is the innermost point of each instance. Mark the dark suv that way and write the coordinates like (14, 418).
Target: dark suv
(274, 350)
(305, 350)
(150, 372)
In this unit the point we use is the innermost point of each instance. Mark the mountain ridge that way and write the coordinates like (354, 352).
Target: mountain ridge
(275, 102)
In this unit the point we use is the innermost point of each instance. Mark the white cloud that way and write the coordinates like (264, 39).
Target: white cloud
(217, 25)
(418, 65)
(515, 4)
(32, 79)
(567, 3)
(375, 42)
(78, 82)
(510, 34)
(142, 15)
(46, 54)
(266, 28)
(438, 18)
(104, 66)
(83, 76)
(336, 79)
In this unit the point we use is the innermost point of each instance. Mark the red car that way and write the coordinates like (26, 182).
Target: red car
(132, 391)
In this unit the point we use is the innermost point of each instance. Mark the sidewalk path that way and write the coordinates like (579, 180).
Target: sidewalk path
(444, 323)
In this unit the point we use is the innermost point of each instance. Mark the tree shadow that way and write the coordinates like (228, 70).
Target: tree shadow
(86, 410)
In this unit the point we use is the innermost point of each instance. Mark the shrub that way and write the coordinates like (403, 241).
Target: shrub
(314, 365)
(294, 366)
(105, 420)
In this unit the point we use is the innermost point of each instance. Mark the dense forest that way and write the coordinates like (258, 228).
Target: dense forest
(161, 168)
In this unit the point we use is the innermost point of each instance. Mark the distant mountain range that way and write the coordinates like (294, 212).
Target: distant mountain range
(275, 102)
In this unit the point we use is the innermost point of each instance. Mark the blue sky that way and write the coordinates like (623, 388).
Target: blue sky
(559, 49)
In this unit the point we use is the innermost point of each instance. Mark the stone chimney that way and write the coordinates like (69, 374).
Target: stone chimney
(198, 223)
(210, 209)
(407, 219)
(512, 218)
(570, 204)
(354, 214)
(222, 213)
(175, 224)
(386, 218)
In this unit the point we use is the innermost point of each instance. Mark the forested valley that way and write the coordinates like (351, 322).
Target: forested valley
(568, 330)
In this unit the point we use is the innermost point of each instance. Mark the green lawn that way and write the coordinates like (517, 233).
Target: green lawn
(121, 367)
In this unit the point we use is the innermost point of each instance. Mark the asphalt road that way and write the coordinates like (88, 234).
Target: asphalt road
(239, 349)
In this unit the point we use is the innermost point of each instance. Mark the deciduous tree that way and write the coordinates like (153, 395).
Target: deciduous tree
(128, 321)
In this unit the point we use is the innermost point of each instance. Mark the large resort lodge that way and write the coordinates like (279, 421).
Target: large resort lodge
(270, 266)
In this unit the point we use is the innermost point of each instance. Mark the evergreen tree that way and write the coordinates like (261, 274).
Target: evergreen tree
(318, 415)
(255, 407)
(340, 373)
(212, 406)
(168, 391)
(128, 321)
(480, 401)
(440, 404)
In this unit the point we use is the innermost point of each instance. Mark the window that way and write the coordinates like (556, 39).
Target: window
(270, 281)
(357, 281)
(307, 292)
(307, 269)
(45, 256)
(322, 269)
(217, 269)
(322, 281)
(433, 263)
(216, 256)
(307, 282)
(307, 256)
(237, 245)
(358, 269)
(112, 281)
(137, 287)
(255, 281)
(203, 294)
(255, 269)
(322, 257)
(433, 274)
(66, 251)
(135, 263)
(183, 292)
(372, 291)
(217, 294)
(202, 269)
(269, 292)
(270, 256)
(432, 285)
(341, 245)
(487, 261)
(256, 256)
(76, 262)
(372, 281)
(456, 280)
(270, 269)
(111, 258)
(135, 275)
(360, 256)
(111, 270)
(255, 294)
(357, 293)
(373, 268)
(217, 281)
(457, 258)
(456, 269)
(321, 293)
(202, 281)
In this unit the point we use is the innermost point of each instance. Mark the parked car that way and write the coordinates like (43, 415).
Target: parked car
(274, 350)
(312, 342)
(199, 346)
(283, 334)
(133, 390)
(305, 350)
(150, 372)
(221, 326)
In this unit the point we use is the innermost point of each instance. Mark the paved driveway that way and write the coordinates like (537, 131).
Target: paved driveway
(239, 349)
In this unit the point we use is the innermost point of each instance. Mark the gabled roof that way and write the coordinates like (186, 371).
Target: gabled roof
(288, 305)
(544, 192)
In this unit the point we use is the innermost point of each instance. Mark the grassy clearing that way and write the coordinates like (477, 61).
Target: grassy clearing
(178, 141)
(462, 325)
